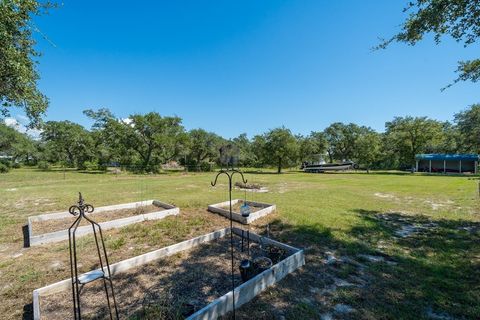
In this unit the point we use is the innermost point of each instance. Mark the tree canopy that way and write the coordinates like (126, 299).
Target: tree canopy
(408, 136)
(145, 142)
(18, 58)
(456, 18)
(280, 148)
(468, 123)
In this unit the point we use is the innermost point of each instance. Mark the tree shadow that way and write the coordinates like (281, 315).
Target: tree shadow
(432, 271)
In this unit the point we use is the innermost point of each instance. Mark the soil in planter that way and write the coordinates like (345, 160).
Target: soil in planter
(169, 288)
(236, 207)
(47, 226)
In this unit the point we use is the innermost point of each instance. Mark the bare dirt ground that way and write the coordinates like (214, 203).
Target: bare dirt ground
(62, 224)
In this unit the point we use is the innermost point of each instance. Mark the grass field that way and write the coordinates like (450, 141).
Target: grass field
(384, 245)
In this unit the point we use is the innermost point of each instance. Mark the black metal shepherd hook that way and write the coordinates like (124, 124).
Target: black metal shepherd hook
(79, 210)
(230, 173)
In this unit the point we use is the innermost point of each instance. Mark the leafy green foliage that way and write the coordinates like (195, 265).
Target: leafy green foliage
(17, 145)
(247, 157)
(146, 142)
(154, 138)
(18, 73)
(456, 18)
(204, 149)
(368, 148)
(341, 139)
(4, 168)
(468, 123)
(43, 165)
(311, 146)
(67, 142)
(278, 148)
(408, 136)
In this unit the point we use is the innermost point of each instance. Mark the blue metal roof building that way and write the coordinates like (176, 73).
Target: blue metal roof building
(458, 163)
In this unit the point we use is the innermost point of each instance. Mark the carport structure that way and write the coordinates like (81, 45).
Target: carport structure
(445, 163)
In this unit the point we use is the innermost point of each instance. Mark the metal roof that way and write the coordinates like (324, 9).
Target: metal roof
(452, 157)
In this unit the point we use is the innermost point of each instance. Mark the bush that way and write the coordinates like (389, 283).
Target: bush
(16, 165)
(43, 165)
(4, 168)
(206, 166)
(89, 166)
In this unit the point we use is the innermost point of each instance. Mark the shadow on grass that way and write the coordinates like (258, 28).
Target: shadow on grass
(432, 272)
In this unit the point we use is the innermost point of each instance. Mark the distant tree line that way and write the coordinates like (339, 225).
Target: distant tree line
(145, 142)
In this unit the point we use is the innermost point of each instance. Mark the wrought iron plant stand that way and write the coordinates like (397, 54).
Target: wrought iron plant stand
(230, 173)
(79, 210)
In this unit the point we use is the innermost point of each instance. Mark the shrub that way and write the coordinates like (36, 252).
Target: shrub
(4, 168)
(89, 166)
(206, 166)
(43, 165)
(16, 165)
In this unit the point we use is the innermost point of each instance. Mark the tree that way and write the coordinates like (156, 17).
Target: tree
(109, 135)
(247, 157)
(341, 140)
(312, 146)
(456, 18)
(408, 136)
(18, 73)
(17, 145)
(204, 147)
(368, 148)
(154, 138)
(280, 148)
(67, 142)
(468, 123)
(258, 149)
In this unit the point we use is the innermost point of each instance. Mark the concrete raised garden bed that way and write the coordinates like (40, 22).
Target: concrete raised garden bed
(163, 211)
(244, 292)
(223, 209)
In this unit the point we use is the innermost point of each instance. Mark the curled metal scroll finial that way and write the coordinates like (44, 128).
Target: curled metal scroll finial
(229, 173)
(81, 208)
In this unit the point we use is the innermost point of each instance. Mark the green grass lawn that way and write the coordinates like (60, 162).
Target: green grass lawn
(435, 271)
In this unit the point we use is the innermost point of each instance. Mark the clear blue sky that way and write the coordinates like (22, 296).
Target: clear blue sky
(245, 66)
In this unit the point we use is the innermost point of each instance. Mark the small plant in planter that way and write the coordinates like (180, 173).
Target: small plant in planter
(274, 253)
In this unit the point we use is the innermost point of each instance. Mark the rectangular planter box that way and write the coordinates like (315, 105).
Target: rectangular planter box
(243, 293)
(35, 240)
(220, 209)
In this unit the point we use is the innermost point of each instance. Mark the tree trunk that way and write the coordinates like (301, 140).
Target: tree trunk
(146, 160)
(330, 156)
(279, 169)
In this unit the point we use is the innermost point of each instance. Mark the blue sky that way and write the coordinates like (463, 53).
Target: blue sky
(245, 66)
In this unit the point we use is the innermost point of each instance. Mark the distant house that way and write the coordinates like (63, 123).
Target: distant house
(443, 163)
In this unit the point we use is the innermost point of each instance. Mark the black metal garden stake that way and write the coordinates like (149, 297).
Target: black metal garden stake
(230, 172)
(79, 211)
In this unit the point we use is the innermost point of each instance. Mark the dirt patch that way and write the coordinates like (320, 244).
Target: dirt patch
(195, 278)
(384, 195)
(405, 226)
(62, 224)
